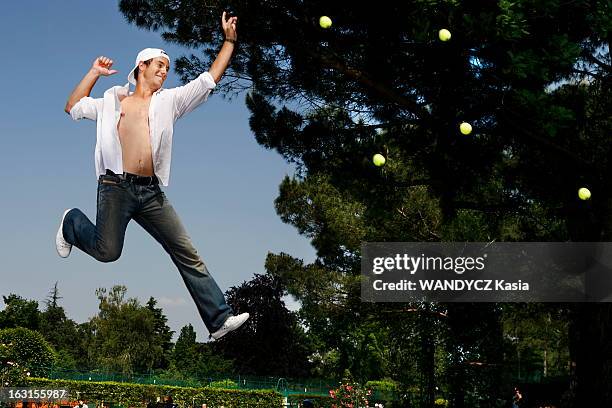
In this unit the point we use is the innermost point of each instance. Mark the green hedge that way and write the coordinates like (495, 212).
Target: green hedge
(327, 402)
(137, 395)
(319, 402)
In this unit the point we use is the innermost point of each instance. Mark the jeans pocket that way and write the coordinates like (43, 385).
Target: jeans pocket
(109, 180)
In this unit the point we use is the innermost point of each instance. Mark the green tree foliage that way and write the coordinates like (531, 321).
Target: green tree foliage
(88, 353)
(163, 334)
(272, 342)
(184, 354)
(19, 312)
(60, 331)
(191, 359)
(11, 373)
(124, 337)
(531, 76)
(537, 339)
(474, 351)
(28, 349)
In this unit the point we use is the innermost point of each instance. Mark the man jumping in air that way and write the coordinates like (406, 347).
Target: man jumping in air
(133, 151)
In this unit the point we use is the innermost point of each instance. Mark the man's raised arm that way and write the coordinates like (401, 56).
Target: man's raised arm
(192, 94)
(101, 66)
(220, 64)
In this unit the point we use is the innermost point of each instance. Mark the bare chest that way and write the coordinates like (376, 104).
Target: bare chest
(133, 129)
(134, 111)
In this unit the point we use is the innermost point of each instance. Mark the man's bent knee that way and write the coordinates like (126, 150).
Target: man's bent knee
(108, 254)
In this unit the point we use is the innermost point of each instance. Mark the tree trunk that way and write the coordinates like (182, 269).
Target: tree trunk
(591, 353)
(428, 363)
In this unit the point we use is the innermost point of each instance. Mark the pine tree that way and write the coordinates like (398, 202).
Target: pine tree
(162, 332)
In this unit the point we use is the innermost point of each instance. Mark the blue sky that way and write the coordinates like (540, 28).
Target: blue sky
(222, 182)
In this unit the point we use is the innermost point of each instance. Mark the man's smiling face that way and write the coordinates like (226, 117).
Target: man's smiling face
(155, 73)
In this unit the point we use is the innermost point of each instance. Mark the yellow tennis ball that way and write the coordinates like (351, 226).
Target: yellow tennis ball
(444, 34)
(465, 128)
(584, 193)
(379, 159)
(325, 22)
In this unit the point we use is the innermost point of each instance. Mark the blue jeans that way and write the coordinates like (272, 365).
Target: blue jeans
(119, 201)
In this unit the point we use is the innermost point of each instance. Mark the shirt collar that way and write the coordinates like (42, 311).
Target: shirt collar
(125, 90)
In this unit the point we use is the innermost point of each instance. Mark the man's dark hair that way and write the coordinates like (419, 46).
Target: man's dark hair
(147, 63)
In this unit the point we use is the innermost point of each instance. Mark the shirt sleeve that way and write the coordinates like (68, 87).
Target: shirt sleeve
(191, 95)
(87, 108)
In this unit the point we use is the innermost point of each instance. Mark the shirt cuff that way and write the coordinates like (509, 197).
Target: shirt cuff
(78, 110)
(208, 80)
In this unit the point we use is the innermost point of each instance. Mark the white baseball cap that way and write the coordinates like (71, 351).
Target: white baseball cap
(146, 55)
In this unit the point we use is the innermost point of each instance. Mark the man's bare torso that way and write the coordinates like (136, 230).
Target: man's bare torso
(133, 128)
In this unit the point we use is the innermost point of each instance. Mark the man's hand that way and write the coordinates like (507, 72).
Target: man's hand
(102, 66)
(220, 63)
(229, 27)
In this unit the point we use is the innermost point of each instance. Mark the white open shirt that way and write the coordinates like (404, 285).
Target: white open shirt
(167, 105)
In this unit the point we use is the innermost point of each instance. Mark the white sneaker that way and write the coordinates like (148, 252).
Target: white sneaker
(231, 323)
(63, 247)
